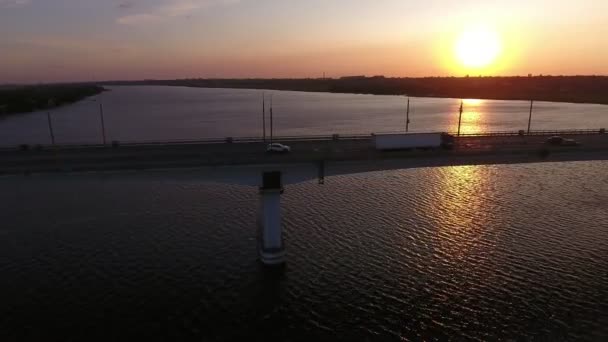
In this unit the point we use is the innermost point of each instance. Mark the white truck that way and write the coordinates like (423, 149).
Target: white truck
(402, 141)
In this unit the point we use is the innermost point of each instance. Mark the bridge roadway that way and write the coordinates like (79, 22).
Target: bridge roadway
(488, 149)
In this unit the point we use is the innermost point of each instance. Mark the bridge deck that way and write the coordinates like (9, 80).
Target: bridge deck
(159, 156)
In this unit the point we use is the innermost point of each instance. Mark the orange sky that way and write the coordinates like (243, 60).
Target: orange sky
(63, 40)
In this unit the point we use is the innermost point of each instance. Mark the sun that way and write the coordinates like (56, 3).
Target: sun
(478, 47)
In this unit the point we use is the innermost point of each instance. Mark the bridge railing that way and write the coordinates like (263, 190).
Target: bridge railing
(242, 140)
(205, 141)
(535, 132)
(287, 139)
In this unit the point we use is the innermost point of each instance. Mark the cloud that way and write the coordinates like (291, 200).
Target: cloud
(126, 4)
(169, 9)
(180, 8)
(139, 19)
(14, 3)
(186, 7)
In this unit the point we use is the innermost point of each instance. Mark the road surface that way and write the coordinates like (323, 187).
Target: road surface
(161, 156)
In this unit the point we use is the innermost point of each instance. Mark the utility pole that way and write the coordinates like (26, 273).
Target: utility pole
(103, 124)
(407, 122)
(264, 115)
(271, 121)
(48, 116)
(460, 116)
(530, 119)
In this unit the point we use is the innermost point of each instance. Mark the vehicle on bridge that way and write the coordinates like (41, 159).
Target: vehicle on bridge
(278, 148)
(561, 141)
(404, 141)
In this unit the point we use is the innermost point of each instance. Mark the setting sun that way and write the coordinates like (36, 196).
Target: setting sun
(478, 48)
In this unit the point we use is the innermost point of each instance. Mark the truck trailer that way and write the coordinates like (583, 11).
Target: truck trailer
(403, 141)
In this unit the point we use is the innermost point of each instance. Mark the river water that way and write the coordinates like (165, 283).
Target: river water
(174, 113)
(514, 252)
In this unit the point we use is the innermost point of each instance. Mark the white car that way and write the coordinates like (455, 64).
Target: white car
(278, 148)
(557, 140)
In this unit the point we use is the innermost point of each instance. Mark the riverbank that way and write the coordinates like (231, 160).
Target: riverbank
(24, 99)
(571, 89)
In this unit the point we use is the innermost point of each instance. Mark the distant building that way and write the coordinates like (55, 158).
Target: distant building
(353, 78)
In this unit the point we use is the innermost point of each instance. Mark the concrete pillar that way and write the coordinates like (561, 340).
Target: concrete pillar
(271, 248)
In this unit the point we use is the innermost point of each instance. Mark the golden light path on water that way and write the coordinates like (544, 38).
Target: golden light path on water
(460, 209)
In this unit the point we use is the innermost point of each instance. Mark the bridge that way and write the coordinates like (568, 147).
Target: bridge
(245, 161)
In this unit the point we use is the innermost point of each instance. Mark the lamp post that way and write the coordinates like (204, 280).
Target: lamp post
(264, 116)
(530, 118)
(50, 104)
(407, 119)
(103, 124)
(460, 116)
(48, 116)
(271, 121)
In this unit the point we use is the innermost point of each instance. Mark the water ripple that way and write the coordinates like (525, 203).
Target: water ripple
(479, 253)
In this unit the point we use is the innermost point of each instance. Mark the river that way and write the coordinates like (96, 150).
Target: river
(151, 113)
(515, 252)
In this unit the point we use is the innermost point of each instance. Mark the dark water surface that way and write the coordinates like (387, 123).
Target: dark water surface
(490, 252)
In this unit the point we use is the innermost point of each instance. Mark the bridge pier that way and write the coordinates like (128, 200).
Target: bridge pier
(270, 240)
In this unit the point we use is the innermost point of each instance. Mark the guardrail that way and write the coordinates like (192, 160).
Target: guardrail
(537, 132)
(287, 139)
(209, 141)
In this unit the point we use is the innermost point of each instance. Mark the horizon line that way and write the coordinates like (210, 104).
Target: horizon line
(296, 78)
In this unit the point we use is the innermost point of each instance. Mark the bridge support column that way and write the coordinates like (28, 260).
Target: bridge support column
(270, 241)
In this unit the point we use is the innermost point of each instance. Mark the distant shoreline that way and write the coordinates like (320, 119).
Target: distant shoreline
(26, 99)
(565, 89)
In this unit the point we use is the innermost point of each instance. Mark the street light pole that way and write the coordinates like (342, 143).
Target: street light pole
(530, 119)
(460, 116)
(407, 122)
(103, 125)
(48, 116)
(271, 121)
(264, 116)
